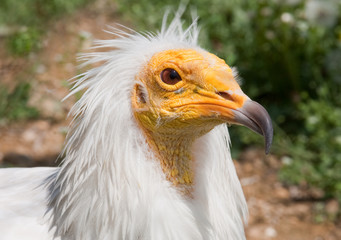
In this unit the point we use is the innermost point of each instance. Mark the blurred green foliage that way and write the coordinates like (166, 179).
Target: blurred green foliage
(35, 12)
(27, 19)
(23, 23)
(22, 43)
(316, 150)
(13, 104)
(289, 55)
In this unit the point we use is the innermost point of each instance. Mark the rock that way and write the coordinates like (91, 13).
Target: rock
(41, 68)
(295, 192)
(300, 210)
(305, 192)
(332, 208)
(261, 231)
(282, 193)
(256, 231)
(270, 232)
(29, 135)
(316, 193)
(249, 180)
(51, 108)
(42, 125)
(286, 160)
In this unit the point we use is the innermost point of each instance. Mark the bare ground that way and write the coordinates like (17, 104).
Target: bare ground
(275, 212)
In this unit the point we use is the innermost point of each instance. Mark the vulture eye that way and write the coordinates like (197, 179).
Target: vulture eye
(170, 76)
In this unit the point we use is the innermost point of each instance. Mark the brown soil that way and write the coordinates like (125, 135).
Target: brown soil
(274, 214)
(277, 211)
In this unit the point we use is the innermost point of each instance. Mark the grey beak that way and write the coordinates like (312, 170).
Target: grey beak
(255, 117)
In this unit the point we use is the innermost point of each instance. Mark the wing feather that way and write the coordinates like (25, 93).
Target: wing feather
(23, 199)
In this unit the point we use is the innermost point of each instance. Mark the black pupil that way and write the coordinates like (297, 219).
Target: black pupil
(170, 76)
(173, 75)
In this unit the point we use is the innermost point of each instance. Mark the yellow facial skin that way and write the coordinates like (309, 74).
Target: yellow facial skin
(173, 116)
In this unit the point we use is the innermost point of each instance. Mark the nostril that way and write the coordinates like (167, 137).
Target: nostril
(225, 95)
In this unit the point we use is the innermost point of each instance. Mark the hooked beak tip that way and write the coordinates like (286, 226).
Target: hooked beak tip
(254, 116)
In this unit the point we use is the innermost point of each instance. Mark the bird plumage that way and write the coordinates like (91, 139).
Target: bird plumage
(110, 184)
(23, 201)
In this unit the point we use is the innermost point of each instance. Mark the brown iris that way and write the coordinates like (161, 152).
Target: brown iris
(170, 76)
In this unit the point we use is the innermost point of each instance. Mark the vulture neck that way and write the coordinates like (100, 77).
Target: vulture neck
(174, 151)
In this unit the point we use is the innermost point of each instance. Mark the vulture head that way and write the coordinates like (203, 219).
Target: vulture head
(182, 94)
(147, 155)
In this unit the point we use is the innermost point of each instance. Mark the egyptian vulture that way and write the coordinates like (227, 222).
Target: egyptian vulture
(147, 156)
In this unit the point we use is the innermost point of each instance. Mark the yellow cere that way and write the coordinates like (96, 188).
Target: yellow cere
(173, 116)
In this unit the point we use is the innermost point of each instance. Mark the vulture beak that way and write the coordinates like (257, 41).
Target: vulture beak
(254, 116)
(237, 108)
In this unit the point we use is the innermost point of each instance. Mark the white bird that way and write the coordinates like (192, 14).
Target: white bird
(147, 156)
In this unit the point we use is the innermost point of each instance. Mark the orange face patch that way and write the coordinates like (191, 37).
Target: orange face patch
(205, 80)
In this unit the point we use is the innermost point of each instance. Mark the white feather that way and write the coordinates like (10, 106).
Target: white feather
(110, 185)
(23, 201)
